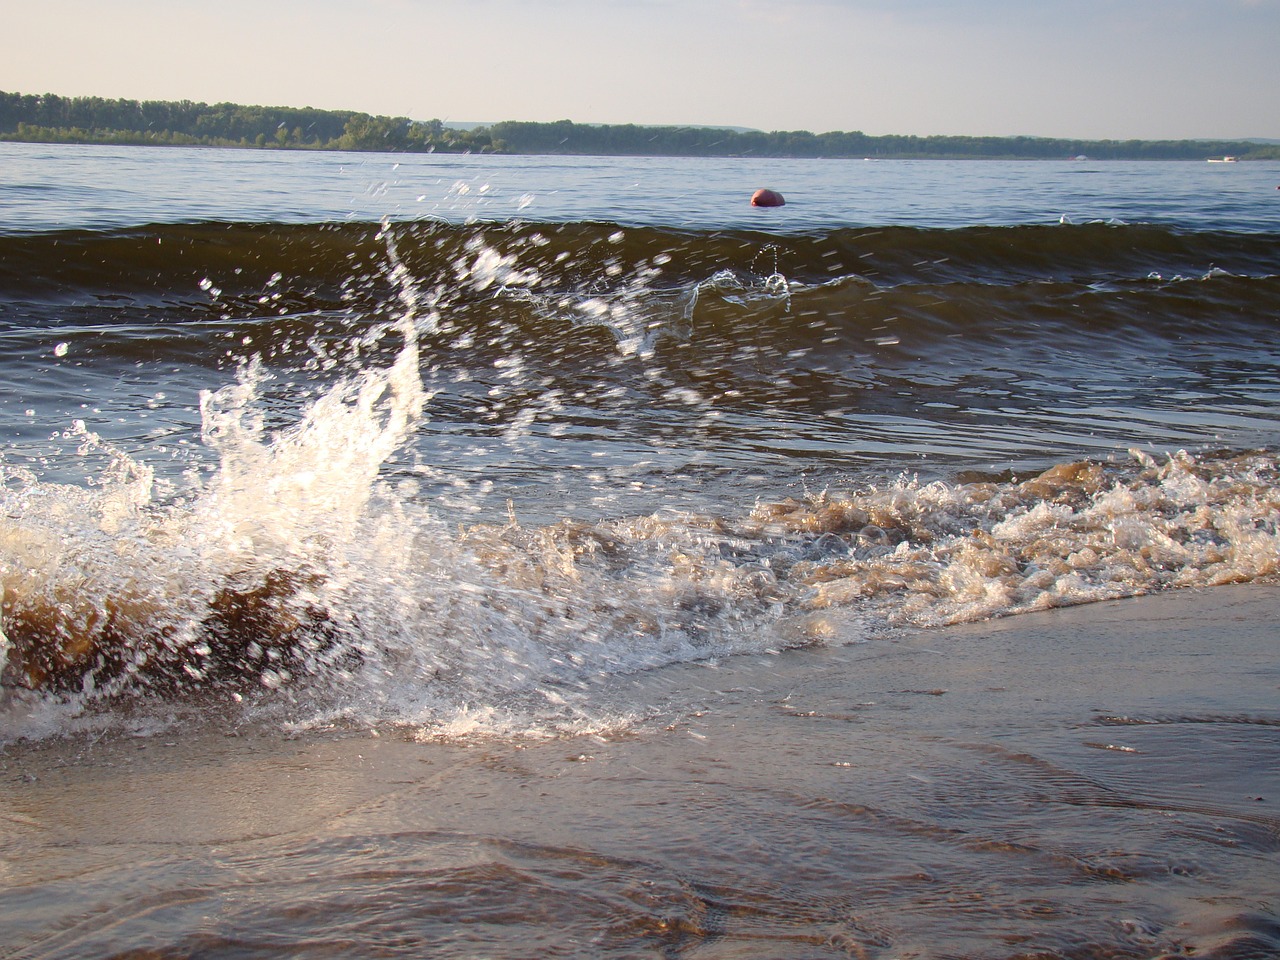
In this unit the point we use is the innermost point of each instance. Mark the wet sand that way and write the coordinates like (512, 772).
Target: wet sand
(1100, 781)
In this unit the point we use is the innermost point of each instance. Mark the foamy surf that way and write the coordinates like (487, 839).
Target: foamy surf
(298, 584)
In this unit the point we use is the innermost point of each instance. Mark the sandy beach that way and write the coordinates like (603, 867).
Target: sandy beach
(1099, 781)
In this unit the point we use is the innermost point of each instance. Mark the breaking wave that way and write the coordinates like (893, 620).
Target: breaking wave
(298, 578)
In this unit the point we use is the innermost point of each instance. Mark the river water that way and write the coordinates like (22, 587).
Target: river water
(447, 446)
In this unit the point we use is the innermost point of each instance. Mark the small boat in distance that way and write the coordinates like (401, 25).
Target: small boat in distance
(1224, 159)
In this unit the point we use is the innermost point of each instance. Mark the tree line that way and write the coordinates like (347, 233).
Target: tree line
(50, 118)
(566, 137)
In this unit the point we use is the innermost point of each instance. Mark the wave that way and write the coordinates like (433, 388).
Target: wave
(293, 568)
(324, 259)
(382, 614)
(587, 286)
(641, 339)
(297, 581)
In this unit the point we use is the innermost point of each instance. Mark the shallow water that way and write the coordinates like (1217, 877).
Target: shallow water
(1063, 784)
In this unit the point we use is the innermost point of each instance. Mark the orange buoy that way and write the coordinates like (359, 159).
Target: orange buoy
(767, 198)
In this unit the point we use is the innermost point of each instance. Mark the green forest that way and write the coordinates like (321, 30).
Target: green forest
(48, 118)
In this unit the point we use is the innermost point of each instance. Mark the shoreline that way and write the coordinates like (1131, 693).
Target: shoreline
(309, 148)
(1100, 780)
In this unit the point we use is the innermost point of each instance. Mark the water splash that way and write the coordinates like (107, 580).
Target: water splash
(295, 571)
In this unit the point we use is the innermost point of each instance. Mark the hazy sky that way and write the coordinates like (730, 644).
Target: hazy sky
(1151, 69)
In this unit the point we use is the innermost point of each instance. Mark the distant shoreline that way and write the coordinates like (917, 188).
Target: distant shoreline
(163, 145)
(47, 118)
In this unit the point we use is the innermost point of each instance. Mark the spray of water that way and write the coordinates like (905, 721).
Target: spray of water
(296, 570)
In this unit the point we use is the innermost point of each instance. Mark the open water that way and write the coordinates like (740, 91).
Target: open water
(446, 444)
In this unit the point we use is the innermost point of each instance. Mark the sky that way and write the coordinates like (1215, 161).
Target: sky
(1087, 69)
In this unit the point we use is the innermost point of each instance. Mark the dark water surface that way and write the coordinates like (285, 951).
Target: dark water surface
(450, 446)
